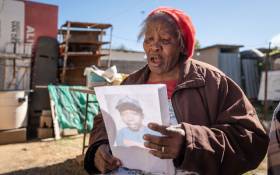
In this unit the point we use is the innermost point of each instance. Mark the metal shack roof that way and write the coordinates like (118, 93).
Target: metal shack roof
(228, 46)
(252, 53)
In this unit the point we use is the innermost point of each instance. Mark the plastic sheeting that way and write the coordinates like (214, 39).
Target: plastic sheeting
(70, 107)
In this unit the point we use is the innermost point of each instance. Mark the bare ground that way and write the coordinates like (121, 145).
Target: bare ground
(42, 157)
(53, 158)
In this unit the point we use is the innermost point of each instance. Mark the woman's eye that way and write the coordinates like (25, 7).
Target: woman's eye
(165, 41)
(148, 40)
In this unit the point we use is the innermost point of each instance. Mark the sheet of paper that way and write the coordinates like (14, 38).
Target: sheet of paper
(126, 111)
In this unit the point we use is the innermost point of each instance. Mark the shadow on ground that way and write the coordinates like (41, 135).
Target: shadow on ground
(70, 166)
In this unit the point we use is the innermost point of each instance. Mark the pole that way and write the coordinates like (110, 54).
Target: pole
(85, 125)
(266, 61)
(110, 47)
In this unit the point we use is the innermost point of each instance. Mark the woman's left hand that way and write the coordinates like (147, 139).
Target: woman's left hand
(167, 146)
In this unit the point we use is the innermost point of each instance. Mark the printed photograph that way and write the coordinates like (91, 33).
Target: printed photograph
(131, 116)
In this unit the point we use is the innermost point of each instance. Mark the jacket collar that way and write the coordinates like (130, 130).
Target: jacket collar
(190, 76)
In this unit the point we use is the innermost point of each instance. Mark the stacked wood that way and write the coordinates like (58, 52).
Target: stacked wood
(45, 129)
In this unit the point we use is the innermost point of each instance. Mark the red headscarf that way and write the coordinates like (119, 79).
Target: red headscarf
(185, 26)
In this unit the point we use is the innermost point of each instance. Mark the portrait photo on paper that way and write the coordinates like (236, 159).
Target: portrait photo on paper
(129, 114)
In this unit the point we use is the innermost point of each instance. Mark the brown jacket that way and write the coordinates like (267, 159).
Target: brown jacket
(223, 133)
(273, 153)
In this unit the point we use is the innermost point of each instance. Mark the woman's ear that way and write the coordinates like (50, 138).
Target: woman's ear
(183, 49)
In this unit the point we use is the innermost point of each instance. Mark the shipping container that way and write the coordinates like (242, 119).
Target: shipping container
(40, 20)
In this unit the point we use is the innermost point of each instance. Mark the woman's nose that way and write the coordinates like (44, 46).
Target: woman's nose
(156, 46)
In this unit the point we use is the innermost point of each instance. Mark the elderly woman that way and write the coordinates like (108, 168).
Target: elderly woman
(214, 128)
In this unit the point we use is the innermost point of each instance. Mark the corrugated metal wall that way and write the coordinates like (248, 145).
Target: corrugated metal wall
(251, 76)
(229, 63)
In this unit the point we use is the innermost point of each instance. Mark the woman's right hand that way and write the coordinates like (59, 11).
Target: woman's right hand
(104, 161)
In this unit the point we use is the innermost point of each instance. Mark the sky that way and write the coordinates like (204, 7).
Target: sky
(252, 23)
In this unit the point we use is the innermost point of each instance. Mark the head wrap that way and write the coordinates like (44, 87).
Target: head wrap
(185, 26)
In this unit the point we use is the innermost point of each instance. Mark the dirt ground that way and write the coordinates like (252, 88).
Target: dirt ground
(53, 158)
(42, 157)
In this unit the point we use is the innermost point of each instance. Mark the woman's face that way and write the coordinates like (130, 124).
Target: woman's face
(161, 46)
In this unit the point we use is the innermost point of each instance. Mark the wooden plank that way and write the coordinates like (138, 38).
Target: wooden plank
(14, 56)
(55, 121)
(97, 32)
(84, 61)
(66, 52)
(13, 136)
(82, 38)
(76, 82)
(87, 25)
(69, 132)
(86, 42)
(78, 54)
(75, 76)
(43, 133)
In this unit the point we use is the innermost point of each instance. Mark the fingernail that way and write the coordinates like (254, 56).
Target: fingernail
(118, 163)
(150, 125)
(145, 137)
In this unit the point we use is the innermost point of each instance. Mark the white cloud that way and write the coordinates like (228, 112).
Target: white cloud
(275, 41)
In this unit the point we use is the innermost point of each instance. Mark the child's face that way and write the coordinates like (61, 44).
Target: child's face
(132, 119)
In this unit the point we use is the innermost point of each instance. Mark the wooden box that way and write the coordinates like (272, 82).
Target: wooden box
(45, 121)
(43, 133)
(13, 136)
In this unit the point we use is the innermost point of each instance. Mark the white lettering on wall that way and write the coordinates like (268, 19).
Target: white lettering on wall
(30, 34)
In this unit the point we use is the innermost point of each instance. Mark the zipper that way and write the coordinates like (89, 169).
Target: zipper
(174, 103)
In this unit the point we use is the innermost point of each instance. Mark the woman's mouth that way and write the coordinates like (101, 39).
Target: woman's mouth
(155, 60)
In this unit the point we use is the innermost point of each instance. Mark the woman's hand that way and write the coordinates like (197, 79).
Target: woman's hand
(167, 146)
(104, 161)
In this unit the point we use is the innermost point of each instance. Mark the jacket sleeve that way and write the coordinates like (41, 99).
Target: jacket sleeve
(234, 143)
(98, 137)
(274, 144)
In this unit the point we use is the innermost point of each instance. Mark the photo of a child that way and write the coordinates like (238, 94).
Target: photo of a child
(132, 116)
